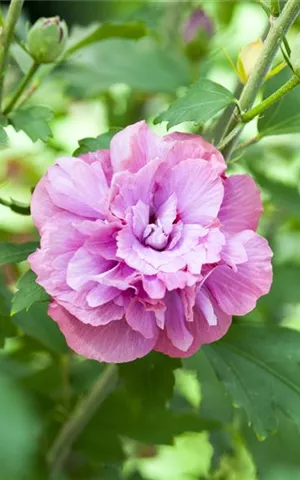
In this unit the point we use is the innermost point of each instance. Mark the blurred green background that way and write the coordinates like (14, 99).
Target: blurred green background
(113, 83)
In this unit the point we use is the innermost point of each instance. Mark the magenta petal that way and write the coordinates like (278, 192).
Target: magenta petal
(134, 147)
(141, 320)
(241, 207)
(238, 291)
(42, 208)
(166, 214)
(113, 343)
(175, 325)
(198, 189)
(101, 294)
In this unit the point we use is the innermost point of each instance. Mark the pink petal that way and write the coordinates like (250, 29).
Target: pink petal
(237, 292)
(241, 207)
(101, 294)
(166, 214)
(42, 208)
(78, 187)
(134, 147)
(141, 320)
(103, 157)
(175, 325)
(113, 343)
(84, 266)
(154, 287)
(234, 252)
(198, 190)
(140, 218)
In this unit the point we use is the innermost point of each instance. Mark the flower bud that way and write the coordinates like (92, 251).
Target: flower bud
(247, 59)
(47, 39)
(295, 55)
(197, 23)
(197, 31)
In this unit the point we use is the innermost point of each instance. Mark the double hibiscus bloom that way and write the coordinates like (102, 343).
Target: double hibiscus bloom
(148, 246)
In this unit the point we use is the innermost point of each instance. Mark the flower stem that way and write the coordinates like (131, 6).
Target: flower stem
(275, 8)
(83, 413)
(258, 75)
(21, 88)
(286, 88)
(11, 19)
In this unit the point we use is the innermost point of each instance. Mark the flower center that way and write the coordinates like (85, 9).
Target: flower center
(155, 237)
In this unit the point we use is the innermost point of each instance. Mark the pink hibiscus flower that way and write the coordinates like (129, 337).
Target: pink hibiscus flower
(148, 246)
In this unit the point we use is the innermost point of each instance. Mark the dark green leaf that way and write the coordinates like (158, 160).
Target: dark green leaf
(151, 378)
(101, 31)
(7, 329)
(38, 325)
(285, 197)
(259, 367)
(202, 102)
(101, 142)
(28, 293)
(34, 121)
(142, 65)
(284, 116)
(16, 252)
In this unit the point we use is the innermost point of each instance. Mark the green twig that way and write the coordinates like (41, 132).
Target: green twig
(11, 19)
(79, 419)
(283, 90)
(275, 8)
(20, 90)
(264, 62)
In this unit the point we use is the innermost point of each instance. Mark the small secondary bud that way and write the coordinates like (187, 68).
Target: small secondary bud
(247, 59)
(47, 39)
(197, 30)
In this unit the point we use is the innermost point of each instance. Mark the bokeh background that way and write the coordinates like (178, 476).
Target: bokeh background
(113, 83)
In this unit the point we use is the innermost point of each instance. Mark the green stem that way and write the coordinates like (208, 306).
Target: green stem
(275, 8)
(229, 137)
(264, 62)
(21, 88)
(286, 88)
(79, 419)
(11, 19)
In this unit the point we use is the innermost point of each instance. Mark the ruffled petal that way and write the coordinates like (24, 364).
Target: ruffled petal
(241, 207)
(198, 189)
(112, 343)
(238, 291)
(140, 319)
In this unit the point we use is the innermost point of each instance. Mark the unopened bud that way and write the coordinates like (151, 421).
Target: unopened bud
(295, 55)
(196, 24)
(47, 39)
(247, 59)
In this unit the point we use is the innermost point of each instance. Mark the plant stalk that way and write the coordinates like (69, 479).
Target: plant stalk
(272, 43)
(21, 88)
(268, 102)
(83, 413)
(14, 11)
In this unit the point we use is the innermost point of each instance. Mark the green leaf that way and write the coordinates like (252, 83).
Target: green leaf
(143, 65)
(102, 31)
(101, 142)
(38, 325)
(285, 197)
(202, 101)
(7, 329)
(3, 137)
(259, 367)
(151, 377)
(28, 293)
(16, 252)
(284, 116)
(15, 206)
(34, 121)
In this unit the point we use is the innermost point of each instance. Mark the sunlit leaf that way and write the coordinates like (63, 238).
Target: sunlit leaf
(34, 121)
(142, 65)
(202, 101)
(94, 33)
(28, 293)
(259, 368)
